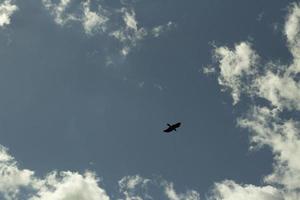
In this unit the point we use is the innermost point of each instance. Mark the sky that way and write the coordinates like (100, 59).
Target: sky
(88, 86)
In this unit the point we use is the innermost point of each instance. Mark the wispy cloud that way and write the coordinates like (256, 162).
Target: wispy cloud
(58, 11)
(159, 30)
(106, 21)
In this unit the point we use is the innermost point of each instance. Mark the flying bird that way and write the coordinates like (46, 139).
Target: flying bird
(172, 127)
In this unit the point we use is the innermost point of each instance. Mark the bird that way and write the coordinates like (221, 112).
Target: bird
(172, 127)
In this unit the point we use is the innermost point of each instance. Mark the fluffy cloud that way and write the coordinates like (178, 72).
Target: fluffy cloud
(242, 72)
(70, 186)
(292, 31)
(13, 179)
(235, 65)
(283, 138)
(229, 190)
(55, 186)
(17, 184)
(7, 9)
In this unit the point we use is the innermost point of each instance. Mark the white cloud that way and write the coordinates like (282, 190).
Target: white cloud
(12, 179)
(93, 21)
(58, 11)
(208, 70)
(7, 9)
(128, 32)
(158, 30)
(137, 188)
(173, 195)
(130, 182)
(17, 184)
(134, 187)
(281, 90)
(70, 186)
(283, 138)
(243, 73)
(292, 29)
(55, 186)
(229, 190)
(129, 19)
(240, 70)
(235, 64)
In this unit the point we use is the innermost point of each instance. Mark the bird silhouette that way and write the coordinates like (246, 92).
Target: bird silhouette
(172, 127)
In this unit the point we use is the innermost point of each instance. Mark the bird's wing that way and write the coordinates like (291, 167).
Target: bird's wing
(168, 130)
(177, 125)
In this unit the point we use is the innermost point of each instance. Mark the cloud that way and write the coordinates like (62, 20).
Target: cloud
(93, 21)
(23, 184)
(7, 9)
(159, 30)
(65, 185)
(234, 65)
(242, 71)
(139, 188)
(292, 31)
(173, 195)
(70, 186)
(229, 190)
(208, 70)
(13, 179)
(129, 19)
(58, 11)
(129, 35)
(134, 187)
(105, 21)
(283, 138)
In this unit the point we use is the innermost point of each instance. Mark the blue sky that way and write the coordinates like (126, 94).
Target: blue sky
(88, 86)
